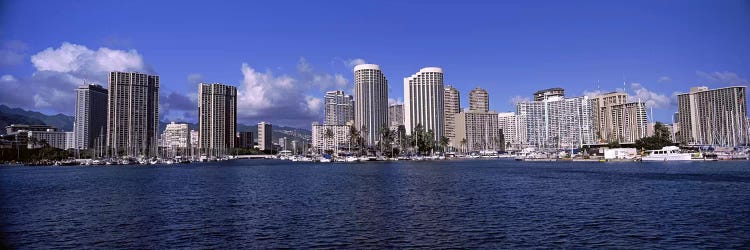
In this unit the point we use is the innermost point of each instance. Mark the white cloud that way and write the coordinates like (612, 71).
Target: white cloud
(392, 101)
(322, 81)
(7, 78)
(313, 103)
(518, 99)
(354, 62)
(652, 99)
(60, 70)
(726, 77)
(593, 93)
(78, 59)
(664, 79)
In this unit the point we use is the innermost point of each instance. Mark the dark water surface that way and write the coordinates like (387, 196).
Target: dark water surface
(487, 204)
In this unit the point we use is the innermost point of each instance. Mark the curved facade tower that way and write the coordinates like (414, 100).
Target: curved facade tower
(423, 101)
(370, 101)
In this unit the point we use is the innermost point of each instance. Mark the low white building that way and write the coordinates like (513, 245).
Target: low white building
(620, 153)
(340, 137)
(55, 139)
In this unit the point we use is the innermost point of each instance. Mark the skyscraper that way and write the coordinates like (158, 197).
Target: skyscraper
(557, 122)
(91, 117)
(371, 101)
(479, 100)
(713, 116)
(217, 112)
(451, 106)
(339, 108)
(264, 136)
(477, 130)
(423, 101)
(396, 115)
(176, 138)
(244, 140)
(545, 94)
(617, 120)
(513, 129)
(133, 114)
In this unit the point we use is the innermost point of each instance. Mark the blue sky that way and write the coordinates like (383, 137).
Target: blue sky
(283, 55)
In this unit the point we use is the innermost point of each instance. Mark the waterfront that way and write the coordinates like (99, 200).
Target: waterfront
(470, 203)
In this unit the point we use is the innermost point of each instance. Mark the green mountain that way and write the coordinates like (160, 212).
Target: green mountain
(10, 115)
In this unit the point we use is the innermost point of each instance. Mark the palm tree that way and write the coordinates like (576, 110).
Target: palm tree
(328, 135)
(386, 138)
(353, 137)
(363, 139)
(444, 142)
(463, 145)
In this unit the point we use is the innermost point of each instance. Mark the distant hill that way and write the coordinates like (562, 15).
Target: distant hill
(10, 115)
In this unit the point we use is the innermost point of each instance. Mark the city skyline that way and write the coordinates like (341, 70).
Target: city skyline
(589, 58)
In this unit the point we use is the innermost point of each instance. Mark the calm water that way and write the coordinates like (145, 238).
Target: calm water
(258, 203)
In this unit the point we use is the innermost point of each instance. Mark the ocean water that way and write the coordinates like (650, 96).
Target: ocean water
(471, 203)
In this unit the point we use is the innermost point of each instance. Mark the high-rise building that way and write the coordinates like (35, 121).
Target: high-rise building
(423, 101)
(557, 122)
(617, 120)
(91, 117)
(133, 114)
(217, 112)
(713, 116)
(476, 130)
(264, 136)
(282, 143)
(513, 128)
(396, 115)
(244, 140)
(176, 136)
(323, 141)
(194, 145)
(371, 101)
(479, 100)
(545, 94)
(339, 108)
(451, 106)
(651, 129)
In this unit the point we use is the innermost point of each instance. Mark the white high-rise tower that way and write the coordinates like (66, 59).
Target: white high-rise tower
(423, 101)
(370, 101)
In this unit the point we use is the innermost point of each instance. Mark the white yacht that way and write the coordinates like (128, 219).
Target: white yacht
(668, 153)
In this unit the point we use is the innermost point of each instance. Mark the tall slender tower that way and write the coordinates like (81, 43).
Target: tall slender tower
(133, 114)
(371, 101)
(91, 117)
(217, 110)
(452, 106)
(479, 100)
(339, 108)
(265, 132)
(423, 101)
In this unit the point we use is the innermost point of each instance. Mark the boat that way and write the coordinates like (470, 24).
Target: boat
(352, 159)
(668, 153)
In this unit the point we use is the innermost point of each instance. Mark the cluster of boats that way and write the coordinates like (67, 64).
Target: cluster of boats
(328, 158)
(133, 161)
